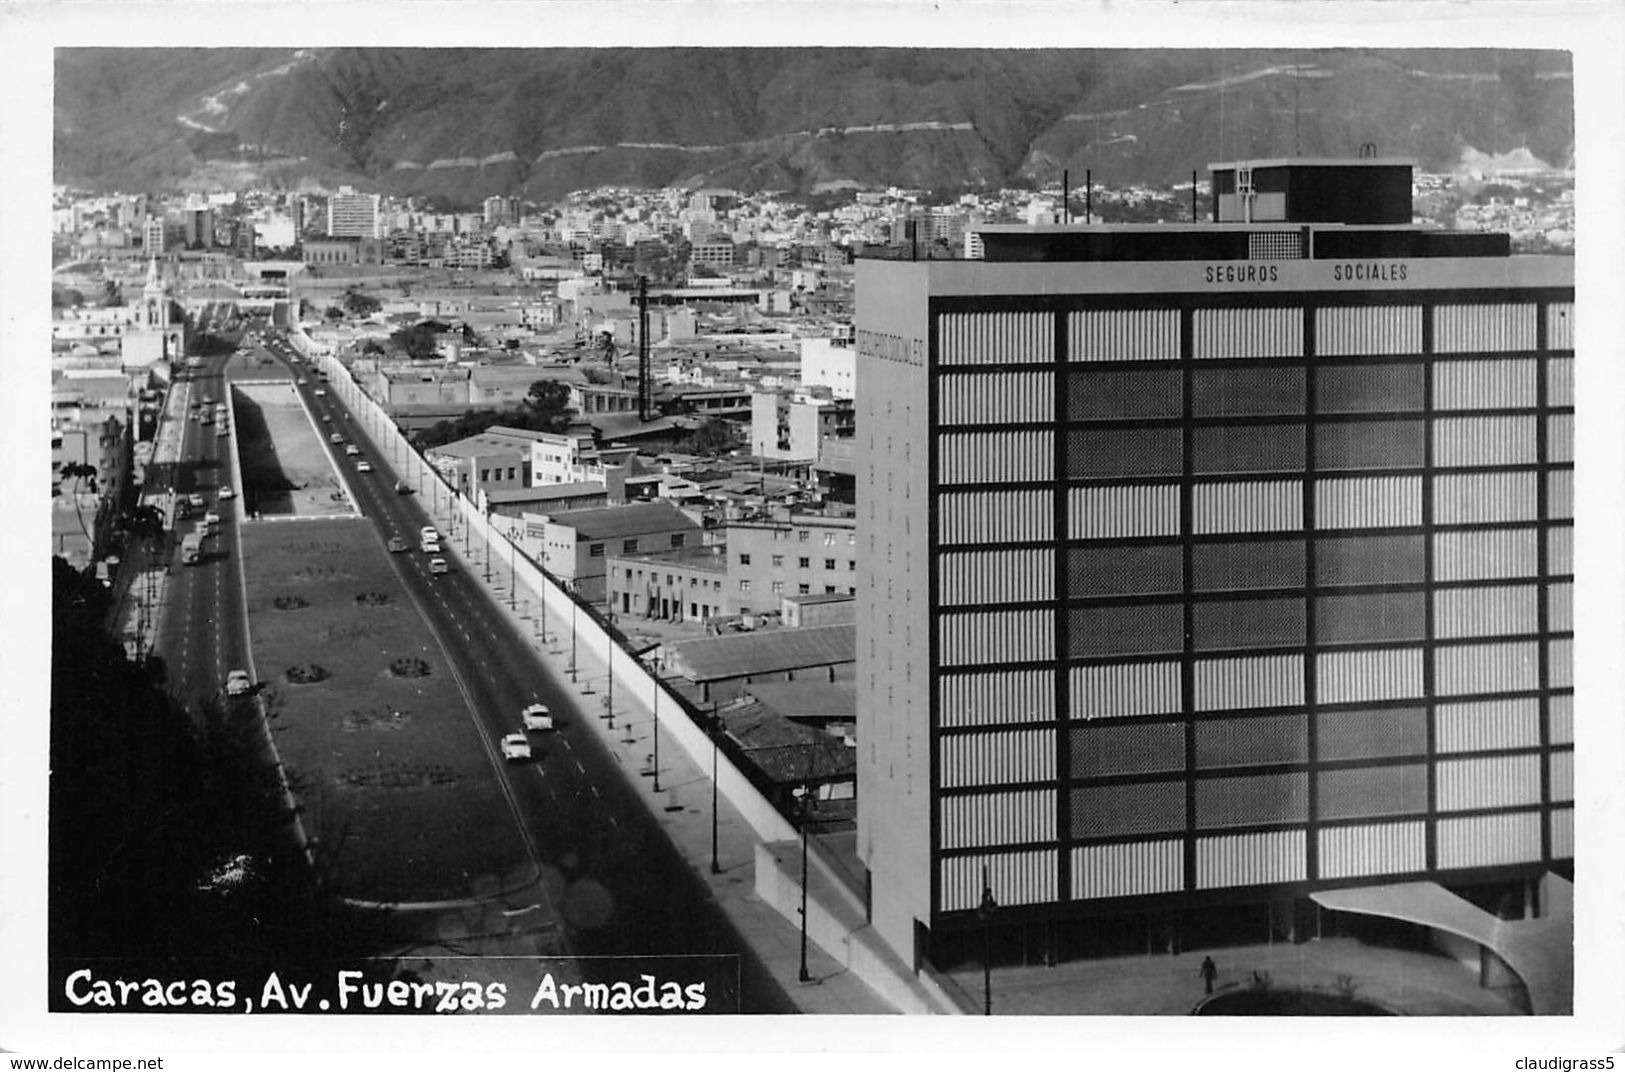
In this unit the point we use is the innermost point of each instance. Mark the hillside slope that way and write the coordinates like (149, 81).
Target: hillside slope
(465, 123)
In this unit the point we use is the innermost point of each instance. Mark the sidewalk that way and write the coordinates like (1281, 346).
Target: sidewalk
(1409, 983)
(683, 809)
(142, 600)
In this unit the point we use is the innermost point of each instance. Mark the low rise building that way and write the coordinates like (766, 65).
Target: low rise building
(543, 499)
(723, 667)
(497, 459)
(574, 545)
(792, 554)
(823, 608)
(791, 426)
(683, 584)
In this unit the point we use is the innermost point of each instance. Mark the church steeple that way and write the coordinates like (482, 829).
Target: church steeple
(154, 302)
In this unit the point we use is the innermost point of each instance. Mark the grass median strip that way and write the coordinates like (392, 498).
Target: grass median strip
(385, 760)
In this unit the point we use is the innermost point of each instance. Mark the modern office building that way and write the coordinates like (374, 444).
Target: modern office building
(353, 215)
(1208, 568)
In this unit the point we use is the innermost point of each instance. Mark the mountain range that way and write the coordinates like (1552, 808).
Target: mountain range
(462, 124)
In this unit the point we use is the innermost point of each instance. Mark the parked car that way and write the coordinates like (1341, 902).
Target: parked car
(537, 717)
(515, 747)
(351, 449)
(211, 519)
(363, 467)
(238, 683)
(438, 565)
(226, 492)
(402, 488)
(196, 500)
(335, 437)
(222, 432)
(321, 391)
(396, 545)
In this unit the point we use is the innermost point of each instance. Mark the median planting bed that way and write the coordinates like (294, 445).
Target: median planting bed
(287, 470)
(388, 765)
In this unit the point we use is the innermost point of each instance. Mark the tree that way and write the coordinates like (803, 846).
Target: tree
(716, 436)
(418, 340)
(359, 304)
(334, 313)
(549, 406)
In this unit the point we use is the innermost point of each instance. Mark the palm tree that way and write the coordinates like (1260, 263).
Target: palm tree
(80, 472)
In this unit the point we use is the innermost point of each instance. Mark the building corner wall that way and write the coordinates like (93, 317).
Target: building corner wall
(894, 721)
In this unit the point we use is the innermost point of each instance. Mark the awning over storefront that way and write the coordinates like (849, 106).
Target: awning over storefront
(1540, 951)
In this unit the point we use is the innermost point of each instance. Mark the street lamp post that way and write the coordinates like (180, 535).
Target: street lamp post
(984, 912)
(572, 639)
(805, 810)
(716, 868)
(542, 618)
(656, 763)
(609, 686)
(512, 577)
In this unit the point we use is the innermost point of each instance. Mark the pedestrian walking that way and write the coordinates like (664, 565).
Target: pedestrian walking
(1209, 971)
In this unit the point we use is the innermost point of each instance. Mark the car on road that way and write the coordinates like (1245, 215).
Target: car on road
(301, 381)
(363, 467)
(196, 500)
(327, 418)
(211, 519)
(222, 432)
(438, 565)
(238, 683)
(351, 449)
(226, 492)
(335, 437)
(397, 545)
(515, 747)
(537, 717)
(321, 392)
(402, 488)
